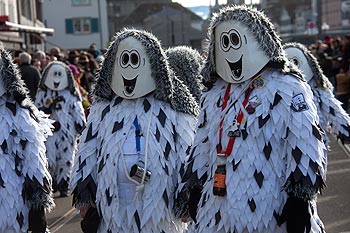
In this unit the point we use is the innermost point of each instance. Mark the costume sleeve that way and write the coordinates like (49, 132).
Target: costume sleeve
(38, 181)
(334, 114)
(79, 117)
(193, 171)
(83, 181)
(304, 148)
(185, 131)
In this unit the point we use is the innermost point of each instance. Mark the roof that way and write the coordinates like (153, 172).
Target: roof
(146, 9)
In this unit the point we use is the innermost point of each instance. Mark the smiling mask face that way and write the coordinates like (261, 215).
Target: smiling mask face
(132, 76)
(297, 57)
(238, 56)
(56, 78)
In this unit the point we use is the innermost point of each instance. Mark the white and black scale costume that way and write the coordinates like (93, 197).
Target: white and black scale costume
(108, 144)
(25, 181)
(333, 118)
(69, 112)
(262, 159)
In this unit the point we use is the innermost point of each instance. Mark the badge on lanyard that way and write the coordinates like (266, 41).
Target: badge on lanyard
(253, 103)
(234, 129)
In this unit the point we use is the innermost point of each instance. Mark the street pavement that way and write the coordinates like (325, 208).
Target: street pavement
(333, 204)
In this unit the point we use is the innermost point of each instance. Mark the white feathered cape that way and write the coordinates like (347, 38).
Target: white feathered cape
(61, 147)
(22, 160)
(170, 134)
(332, 115)
(276, 141)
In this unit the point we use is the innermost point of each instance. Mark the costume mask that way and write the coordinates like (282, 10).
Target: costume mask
(238, 56)
(297, 56)
(132, 76)
(56, 78)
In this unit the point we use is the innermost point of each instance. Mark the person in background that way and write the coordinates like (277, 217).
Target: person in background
(29, 73)
(93, 50)
(37, 64)
(42, 57)
(55, 54)
(86, 99)
(73, 57)
(58, 95)
(88, 77)
(345, 61)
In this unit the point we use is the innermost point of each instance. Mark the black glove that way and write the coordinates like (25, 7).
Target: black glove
(57, 126)
(46, 110)
(296, 214)
(37, 220)
(90, 222)
(195, 196)
(344, 139)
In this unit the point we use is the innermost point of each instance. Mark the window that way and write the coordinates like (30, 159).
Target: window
(26, 9)
(81, 25)
(81, 2)
(12, 12)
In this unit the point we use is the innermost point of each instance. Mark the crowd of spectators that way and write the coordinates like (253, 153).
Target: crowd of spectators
(333, 54)
(83, 63)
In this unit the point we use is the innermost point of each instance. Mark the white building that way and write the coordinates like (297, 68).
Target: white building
(77, 23)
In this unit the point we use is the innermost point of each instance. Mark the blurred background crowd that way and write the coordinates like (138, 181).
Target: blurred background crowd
(333, 55)
(83, 63)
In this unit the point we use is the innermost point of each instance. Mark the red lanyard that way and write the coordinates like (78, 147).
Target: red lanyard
(239, 119)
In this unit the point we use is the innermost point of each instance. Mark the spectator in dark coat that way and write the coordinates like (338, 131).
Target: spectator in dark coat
(30, 74)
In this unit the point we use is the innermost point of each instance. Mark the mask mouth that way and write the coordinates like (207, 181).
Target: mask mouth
(236, 68)
(129, 85)
(56, 84)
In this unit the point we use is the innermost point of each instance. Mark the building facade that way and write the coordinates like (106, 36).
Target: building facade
(77, 23)
(119, 10)
(172, 23)
(21, 25)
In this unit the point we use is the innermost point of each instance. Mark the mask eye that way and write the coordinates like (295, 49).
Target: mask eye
(59, 73)
(295, 61)
(134, 58)
(55, 73)
(124, 59)
(235, 39)
(225, 42)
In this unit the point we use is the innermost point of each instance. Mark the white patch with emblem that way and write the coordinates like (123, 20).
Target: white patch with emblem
(298, 103)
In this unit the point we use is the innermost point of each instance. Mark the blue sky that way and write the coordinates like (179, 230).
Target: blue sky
(190, 3)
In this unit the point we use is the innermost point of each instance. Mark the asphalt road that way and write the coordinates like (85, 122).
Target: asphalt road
(333, 204)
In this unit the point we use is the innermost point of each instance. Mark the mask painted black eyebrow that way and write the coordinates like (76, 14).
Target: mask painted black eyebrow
(245, 38)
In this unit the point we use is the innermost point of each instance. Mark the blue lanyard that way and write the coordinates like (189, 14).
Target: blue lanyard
(137, 135)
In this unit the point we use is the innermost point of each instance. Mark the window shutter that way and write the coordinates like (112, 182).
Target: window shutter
(94, 25)
(69, 26)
